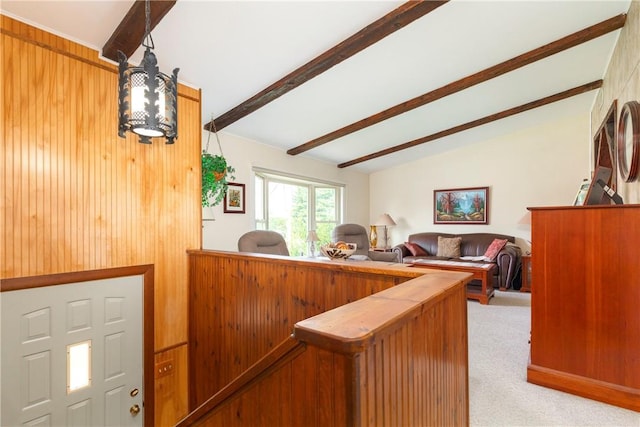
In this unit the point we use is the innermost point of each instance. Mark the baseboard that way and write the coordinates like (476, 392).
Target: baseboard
(613, 394)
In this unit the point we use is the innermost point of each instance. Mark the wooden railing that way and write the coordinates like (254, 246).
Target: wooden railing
(394, 355)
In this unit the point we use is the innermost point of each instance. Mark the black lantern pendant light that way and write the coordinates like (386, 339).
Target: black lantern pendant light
(147, 98)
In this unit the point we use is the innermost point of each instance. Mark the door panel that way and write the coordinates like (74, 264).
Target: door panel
(37, 326)
(79, 414)
(35, 373)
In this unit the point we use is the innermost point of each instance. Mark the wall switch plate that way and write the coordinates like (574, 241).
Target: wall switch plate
(164, 368)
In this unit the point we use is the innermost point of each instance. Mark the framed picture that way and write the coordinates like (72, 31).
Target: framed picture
(461, 206)
(234, 199)
(582, 193)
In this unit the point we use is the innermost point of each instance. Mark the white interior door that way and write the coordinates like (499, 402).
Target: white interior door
(73, 354)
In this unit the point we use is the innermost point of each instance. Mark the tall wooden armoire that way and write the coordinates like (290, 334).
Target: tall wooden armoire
(585, 302)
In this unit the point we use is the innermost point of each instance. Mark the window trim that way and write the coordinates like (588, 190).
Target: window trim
(269, 175)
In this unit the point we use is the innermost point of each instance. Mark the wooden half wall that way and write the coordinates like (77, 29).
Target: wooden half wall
(76, 197)
(241, 306)
(393, 351)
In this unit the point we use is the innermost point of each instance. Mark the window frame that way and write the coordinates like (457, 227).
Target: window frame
(262, 178)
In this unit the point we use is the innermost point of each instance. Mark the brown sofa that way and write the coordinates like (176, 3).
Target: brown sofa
(472, 245)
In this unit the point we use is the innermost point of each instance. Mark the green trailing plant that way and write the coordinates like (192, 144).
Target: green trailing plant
(216, 174)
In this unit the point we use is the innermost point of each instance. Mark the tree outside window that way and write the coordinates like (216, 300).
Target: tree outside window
(293, 206)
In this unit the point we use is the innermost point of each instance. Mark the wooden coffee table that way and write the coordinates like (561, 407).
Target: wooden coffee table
(480, 271)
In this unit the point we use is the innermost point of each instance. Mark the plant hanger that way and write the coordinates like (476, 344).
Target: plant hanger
(215, 132)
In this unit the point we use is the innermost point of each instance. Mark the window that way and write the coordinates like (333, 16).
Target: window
(78, 366)
(293, 205)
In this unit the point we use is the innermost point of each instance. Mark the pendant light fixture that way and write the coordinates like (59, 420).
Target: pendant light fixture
(147, 98)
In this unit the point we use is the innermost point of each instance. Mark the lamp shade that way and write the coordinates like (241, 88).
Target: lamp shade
(386, 220)
(147, 100)
(312, 236)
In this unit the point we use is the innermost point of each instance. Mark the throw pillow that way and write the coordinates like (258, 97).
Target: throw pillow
(494, 248)
(415, 249)
(449, 247)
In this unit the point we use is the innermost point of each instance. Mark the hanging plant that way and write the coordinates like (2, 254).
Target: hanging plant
(216, 174)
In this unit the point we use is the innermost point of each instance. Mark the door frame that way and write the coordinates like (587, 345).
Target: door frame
(148, 348)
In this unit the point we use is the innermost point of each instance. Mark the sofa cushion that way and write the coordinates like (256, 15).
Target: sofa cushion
(494, 248)
(449, 246)
(416, 250)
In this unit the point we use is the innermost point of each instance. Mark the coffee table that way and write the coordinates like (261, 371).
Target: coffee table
(480, 271)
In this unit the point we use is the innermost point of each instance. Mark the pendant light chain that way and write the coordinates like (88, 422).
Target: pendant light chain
(148, 40)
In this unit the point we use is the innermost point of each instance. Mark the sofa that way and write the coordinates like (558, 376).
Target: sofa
(473, 246)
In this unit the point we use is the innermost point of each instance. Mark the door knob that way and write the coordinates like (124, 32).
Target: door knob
(134, 410)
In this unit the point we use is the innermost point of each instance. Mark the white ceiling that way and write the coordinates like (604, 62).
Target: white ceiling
(234, 49)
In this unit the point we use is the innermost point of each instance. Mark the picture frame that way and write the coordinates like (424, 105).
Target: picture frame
(234, 199)
(582, 193)
(461, 206)
(599, 192)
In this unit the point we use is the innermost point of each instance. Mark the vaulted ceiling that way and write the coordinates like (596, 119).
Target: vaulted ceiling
(362, 84)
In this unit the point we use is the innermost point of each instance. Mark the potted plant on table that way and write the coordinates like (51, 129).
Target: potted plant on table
(216, 174)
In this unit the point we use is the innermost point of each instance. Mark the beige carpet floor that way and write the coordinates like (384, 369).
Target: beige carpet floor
(499, 393)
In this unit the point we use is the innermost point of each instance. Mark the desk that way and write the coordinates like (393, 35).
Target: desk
(480, 272)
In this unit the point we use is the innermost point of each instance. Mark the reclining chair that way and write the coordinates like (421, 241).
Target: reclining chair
(355, 233)
(263, 242)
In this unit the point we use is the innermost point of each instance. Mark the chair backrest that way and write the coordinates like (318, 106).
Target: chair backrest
(263, 242)
(352, 233)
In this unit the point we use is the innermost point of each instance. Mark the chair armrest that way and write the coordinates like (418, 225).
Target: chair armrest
(384, 256)
(508, 260)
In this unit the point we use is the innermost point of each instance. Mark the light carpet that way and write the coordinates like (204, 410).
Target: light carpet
(499, 393)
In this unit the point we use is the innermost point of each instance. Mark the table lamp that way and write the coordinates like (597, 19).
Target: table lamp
(385, 221)
(312, 238)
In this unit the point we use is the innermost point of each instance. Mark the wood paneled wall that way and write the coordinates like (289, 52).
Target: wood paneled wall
(420, 370)
(397, 357)
(241, 306)
(408, 351)
(306, 386)
(76, 196)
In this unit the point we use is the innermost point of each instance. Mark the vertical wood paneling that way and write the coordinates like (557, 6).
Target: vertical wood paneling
(76, 196)
(359, 364)
(258, 301)
(419, 370)
(171, 389)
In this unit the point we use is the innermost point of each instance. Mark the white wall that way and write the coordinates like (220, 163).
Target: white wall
(243, 154)
(540, 166)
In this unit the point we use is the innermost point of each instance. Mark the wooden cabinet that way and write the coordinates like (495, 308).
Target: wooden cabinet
(585, 329)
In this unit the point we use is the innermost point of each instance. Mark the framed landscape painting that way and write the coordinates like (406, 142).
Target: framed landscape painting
(234, 199)
(461, 206)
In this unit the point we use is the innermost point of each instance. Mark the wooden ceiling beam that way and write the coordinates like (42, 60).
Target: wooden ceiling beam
(369, 35)
(479, 122)
(527, 58)
(130, 32)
